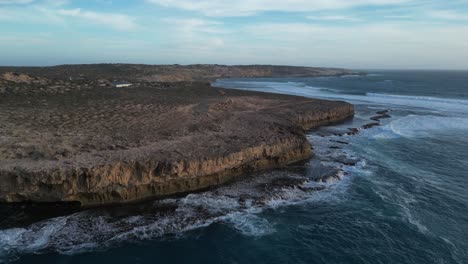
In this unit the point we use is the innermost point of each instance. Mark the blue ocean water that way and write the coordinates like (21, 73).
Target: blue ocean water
(405, 201)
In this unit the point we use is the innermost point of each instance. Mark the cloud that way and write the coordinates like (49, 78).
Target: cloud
(51, 12)
(190, 22)
(113, 20)
(448, 15)
(409, 33)
(17, 2)
(251, 7)
(333, 18)
(194, 33)
(388, 45)
(398, 17)
(55, 3)
(190, 25)
(23, 40)
(30, 15)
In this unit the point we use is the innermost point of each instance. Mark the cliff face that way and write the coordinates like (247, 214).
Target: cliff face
(139, 179)
(105, 146)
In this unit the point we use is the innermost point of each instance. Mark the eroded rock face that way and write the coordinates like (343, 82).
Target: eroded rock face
(100, 146)
(139, 179)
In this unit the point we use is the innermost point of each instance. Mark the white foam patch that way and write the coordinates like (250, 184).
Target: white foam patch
(249, 224)
(9, 239)
(239, 206)
(211, 202)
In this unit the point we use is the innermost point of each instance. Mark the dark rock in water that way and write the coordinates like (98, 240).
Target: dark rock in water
(383, 112)
(283, 182)
(332, 131)
(370, 125)
(353, 131)
(323, 174)
(335, 147)
(340, 132)
(311, 188)
(346, 161)
(377, 118)
(341, 142)
(331, 176)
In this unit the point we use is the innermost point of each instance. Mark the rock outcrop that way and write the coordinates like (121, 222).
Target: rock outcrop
(21, 78)
(100, 145)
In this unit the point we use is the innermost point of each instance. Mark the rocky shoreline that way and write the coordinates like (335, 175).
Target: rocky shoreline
(99, 146)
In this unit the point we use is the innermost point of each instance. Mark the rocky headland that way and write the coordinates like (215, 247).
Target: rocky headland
(70, 139)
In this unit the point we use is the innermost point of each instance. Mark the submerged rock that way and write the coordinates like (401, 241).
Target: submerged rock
(377, 118)
(352, 131)
(345, 160)
(383, 112)
(340, 142)
(370, 125)
(331, 176)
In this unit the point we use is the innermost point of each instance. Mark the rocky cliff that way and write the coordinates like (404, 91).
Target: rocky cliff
(102, 145)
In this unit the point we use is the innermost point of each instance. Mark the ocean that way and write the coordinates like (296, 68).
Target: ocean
(402, 199)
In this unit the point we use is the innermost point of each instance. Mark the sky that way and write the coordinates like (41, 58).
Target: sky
(356, 34)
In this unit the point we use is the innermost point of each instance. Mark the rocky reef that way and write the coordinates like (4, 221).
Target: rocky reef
(68, 142)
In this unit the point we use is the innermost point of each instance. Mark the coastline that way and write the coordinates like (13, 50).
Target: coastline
(171, 73)
(241, 132)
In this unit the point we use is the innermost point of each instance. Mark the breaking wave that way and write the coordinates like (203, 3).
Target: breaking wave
(238, 205)
(421, 101)
(301, 89)
(416, 126)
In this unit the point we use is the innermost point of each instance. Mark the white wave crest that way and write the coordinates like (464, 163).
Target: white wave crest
(422, 126)
(249, 224)
(301, 89)
(429, 102)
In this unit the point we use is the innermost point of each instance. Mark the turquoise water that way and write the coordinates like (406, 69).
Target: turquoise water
(405, 201)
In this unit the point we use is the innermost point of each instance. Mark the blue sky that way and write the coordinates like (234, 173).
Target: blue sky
(361, 34)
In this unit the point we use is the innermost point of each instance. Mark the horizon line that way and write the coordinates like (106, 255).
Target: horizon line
(256, 64)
